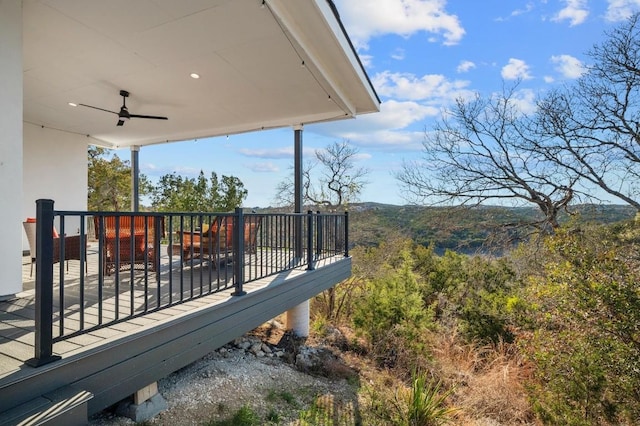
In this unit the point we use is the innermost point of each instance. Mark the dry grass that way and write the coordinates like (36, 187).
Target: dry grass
(488, 381)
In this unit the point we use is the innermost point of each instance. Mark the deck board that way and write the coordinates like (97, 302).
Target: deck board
(16, 348)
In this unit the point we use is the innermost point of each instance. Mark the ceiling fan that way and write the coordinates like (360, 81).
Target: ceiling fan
(124, 114)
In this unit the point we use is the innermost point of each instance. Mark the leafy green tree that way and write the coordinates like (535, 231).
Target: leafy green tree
(109, 181)
(180, 194)
(231, 192)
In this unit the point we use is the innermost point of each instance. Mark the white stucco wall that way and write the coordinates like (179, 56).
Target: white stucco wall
(54, 167)
(10, 146)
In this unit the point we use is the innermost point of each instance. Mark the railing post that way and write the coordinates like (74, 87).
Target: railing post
(100, 236)
(238, 252)
(320, 234)
(44, 285)
(310, 240)
(346, 234)
(298, 236)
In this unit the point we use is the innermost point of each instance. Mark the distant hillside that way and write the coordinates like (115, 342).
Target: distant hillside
(462, 229)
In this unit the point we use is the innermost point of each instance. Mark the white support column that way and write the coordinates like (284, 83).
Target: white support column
(298, 319)
(11, 151)
(135, 174)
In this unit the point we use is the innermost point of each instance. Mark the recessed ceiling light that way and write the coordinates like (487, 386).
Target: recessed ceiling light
(194, 75)
(73, 104)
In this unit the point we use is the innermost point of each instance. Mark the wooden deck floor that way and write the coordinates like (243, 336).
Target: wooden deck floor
(122, 296)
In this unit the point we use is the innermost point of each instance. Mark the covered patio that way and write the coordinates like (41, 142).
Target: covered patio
(212, 68)
(261, 65)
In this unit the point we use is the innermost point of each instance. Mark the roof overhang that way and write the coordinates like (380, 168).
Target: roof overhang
(262, 65)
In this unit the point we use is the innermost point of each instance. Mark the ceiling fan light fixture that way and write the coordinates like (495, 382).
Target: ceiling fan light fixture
(124, 113)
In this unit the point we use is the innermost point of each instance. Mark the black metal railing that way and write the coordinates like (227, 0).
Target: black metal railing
(129, 274)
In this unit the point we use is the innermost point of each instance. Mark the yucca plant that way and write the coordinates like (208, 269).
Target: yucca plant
(425, 402)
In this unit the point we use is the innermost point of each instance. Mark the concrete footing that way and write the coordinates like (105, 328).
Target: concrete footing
(147, 403)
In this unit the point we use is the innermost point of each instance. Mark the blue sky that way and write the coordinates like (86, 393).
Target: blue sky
(420, 55)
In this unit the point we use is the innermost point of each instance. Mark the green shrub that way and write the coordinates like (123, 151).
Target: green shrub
(273, 416)
(471, 293)
(427, 403)
(422, 404)
(393, 310)
(245, 416)
(586, 346)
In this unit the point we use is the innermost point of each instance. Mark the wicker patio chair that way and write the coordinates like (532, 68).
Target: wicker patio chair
(215, 242)
(72, 244)
(122, 247)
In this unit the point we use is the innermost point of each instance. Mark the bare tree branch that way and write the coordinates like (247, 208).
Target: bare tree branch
(332, 181)
(593, 128)
(482, 151)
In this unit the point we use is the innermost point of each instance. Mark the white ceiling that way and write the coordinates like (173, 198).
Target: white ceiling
(249, 57)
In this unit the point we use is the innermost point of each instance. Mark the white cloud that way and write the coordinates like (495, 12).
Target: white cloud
(150, 169)
(575, 12)
(267, 167)
(383, 130)
(525, 101)
(517, 12)
(410, 100)
(360, 156)
(398, 115)
(516, 69)
(393, 115)
(367, 60)
(398, 54)
(392, 141)
(620, 10)
(528, 8)
(549, 79)
(275, 153)
(568, 66)
(465, 66)
(430, 87)
(365, 19)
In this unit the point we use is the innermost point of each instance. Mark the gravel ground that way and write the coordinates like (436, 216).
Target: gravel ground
(255, 372)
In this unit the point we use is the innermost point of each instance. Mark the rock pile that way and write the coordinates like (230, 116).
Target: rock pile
(251, 345)
(319, 361)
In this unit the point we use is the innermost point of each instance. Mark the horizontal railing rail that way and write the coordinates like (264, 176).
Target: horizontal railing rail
(205, 253)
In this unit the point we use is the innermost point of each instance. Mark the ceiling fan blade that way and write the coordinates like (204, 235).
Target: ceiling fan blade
(155, 117)
(100, 109)
(124, 114)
